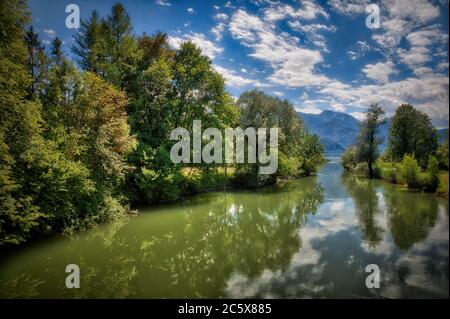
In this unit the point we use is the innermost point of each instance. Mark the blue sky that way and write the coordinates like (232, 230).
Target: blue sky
(318, 54)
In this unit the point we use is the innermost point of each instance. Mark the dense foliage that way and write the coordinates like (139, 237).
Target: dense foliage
(79, 143)
(413, 156)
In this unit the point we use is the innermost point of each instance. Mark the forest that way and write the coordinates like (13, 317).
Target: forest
(84, 135)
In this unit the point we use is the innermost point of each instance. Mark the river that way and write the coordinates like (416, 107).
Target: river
(308, 238)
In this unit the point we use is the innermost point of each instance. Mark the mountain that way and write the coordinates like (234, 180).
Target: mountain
(336, 130)
(442, 135)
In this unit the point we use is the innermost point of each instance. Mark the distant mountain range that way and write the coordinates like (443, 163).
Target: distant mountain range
(338, 130)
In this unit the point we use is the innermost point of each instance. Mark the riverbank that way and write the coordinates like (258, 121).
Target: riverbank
(407, 173)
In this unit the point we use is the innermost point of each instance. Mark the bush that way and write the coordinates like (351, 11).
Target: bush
(389, 172)
(442, 155)
(288, 167)
(429, 180)
(410, 171)
(349, 159)
(308, 167)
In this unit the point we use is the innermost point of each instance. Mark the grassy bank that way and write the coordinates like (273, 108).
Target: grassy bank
(408, 173)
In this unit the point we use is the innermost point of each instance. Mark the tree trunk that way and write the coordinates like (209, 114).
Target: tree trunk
(370, 169)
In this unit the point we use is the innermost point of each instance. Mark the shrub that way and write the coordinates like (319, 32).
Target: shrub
(410, 171)
(349, 159)
(429, 180)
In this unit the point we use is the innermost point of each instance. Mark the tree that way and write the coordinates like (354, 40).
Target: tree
(297, 147)
(35, 59)
(442, 155)
(20, 128)
(198, 90)
(99, 115)
(367, 141)
(89, 44)
(153, 47)
(121, 50)
(412, 133)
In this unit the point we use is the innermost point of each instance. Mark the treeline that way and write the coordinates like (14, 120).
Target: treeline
(413, 155)
(81, 142)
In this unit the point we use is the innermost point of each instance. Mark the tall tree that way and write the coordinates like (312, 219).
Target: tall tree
(153, 47)
(20, 127)
(412, 133)
(367, 141)
(122, 53)
(198, 90)
(89, 44)
(35, 59)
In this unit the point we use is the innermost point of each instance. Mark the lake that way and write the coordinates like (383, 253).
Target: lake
(308, 238)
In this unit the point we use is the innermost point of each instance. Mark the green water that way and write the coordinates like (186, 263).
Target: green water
(311, 237)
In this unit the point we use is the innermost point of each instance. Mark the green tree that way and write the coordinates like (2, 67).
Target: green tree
(297, 147)
(35, 60)
(412, 133)
(20, 127)
(442, 155)
(89, 44)
(367, 141)
(121, 49)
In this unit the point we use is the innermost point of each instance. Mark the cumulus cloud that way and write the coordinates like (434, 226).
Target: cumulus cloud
(293, 65)
(349, 7)
(309, 10)
(208, 48)
(218, 29)
(380, 71)
(235, 80)
(403, 16)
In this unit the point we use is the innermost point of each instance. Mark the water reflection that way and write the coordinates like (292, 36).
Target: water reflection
(312, 237)
(170, 252)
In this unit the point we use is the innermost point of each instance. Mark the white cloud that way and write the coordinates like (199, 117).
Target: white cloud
(361, 116)
(423, 71)
(358, 50)
(426, 36)
(293, 65)
(380, 71)
(402, 17)
(309, 10)
(311, 32)
(349, 7)
(235, 80)
(163, 3)
(50, 33)
(190, 10)
(229, 5)
(429, 94)
(218, 30)
(278, 93)
(221, 17)
(414, 57)
(311, 28)
(442, 66)
(208, 48)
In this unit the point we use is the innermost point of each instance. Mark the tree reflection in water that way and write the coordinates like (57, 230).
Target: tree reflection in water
(177, 251)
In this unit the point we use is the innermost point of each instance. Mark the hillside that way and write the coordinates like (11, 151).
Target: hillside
(338, 130)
